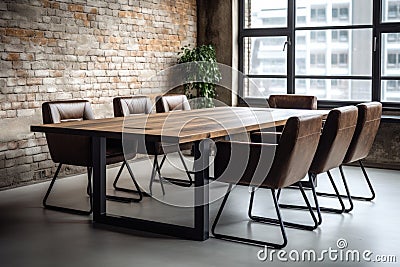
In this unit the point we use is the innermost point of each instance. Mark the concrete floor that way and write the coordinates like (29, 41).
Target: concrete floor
(32, 236)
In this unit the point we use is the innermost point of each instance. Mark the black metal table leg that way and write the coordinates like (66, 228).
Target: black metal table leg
(201, 192)
(200, 230)
(99, 177)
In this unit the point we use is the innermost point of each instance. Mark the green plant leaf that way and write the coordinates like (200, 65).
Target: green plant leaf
(205, 60)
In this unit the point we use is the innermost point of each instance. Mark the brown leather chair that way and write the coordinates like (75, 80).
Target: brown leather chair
(293, 101)
(167, 103)
(287, 101)
(77, 150)
(335, 139)
(130, 105)
(369, 117)
(290, 163)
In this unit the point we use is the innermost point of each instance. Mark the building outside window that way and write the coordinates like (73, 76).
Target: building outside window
(340, 36)
(394, 10)
(318, 13)
(318, 36)
(340, 12)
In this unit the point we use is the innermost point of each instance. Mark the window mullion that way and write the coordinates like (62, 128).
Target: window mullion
(376, 53)
(291, 47)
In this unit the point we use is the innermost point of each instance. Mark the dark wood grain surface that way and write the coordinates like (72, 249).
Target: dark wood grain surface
(180, 126)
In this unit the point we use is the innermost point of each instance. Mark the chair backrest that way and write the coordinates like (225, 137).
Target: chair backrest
(68, 149)
(125, 106)
(167, 103)
(335, 139)
(290, 163)
(293, 101)
(61, 111)
(369, 118)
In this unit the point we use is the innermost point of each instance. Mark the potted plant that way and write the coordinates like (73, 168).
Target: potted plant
(202, 75)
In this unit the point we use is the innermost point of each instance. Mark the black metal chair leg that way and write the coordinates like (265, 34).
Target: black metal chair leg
(334, 210)
(317, 207)
(137, 191)
(123, 189)
(63, 209)
(153, 170)
(310, 209)
(89, 187)
(369, 185)
(278, 195)
(134, 181)
(157, 169)
(186, 168)
(371, 189)
(346, 187)
(117, 177)
(184, 183)
(313, 180)
(162, 161)
(348, 195)
(246, 240)
(288, 224)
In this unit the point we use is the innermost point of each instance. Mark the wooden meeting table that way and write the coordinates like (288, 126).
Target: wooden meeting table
(173, 127)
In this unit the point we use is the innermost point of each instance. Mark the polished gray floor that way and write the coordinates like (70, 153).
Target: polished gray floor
(32, 236)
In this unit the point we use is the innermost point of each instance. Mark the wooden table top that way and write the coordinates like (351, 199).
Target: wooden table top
(180, 126)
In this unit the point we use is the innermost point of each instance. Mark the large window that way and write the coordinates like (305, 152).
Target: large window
(337, 50)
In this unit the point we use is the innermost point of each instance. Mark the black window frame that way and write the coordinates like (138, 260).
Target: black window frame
(379, 27)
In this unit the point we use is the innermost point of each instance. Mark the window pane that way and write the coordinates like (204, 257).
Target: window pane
(264, 87)
(333, 13)
(390, 10)
(265, 14)
(327, 89)
(344, 52)
(334, 59)
(390, 54)
(265, 56)
(392, 37)
(390, 91)
(300, 40)
(301, 65)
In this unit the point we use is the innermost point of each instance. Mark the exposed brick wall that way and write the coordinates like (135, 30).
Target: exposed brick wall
(68, 49)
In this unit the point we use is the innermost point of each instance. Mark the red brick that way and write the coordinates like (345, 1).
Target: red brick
(123, 14)
(39, 34)
(91, 17)
(13, 56)
(30, 97)
(55, 5)
(39, 41)
(45, 3)
(34, 81)
(57, 73)
(22, 73)
(15, 32)
(75, 8)
(81, 16)
(12, 145)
